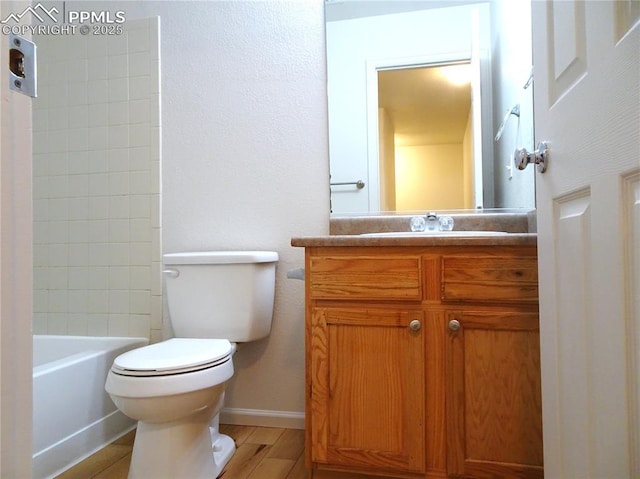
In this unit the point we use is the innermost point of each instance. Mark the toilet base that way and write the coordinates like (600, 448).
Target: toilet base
(179, 450)
(223, 450)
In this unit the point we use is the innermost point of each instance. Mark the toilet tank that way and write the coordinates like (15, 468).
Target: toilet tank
(221, 294)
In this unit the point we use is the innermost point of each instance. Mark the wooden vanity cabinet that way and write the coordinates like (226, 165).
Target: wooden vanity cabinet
(365, 362)
(423, 362)
(494, 423)
(367, 406)
(492, 372)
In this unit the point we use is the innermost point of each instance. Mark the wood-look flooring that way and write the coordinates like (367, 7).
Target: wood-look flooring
(262, 453)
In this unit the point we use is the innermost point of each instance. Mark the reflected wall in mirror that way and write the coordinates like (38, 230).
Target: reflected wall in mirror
(366, 41)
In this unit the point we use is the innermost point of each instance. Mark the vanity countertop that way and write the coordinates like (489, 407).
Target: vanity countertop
(512, 239)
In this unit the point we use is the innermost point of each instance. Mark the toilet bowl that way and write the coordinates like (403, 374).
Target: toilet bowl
(175, 388)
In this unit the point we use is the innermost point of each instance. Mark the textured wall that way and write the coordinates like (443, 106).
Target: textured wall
(245, 161)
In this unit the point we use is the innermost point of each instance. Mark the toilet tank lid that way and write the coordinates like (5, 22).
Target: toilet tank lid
(220, 257)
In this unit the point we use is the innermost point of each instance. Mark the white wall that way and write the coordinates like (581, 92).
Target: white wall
(511, 66)
(246, 161)
(245, 157)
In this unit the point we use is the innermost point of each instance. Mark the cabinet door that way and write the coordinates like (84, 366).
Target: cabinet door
(367, 398)
(494, 413)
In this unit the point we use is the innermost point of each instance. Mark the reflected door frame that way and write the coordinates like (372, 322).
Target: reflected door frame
(480, 172)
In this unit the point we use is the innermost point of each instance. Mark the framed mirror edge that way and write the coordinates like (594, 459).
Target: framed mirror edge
(494, 200)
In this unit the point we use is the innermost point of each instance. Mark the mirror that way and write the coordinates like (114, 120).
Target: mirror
(396, 143)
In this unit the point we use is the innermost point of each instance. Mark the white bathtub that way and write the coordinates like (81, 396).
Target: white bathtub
(73, 416)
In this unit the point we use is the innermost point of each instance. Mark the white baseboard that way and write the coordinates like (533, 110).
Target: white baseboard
(261, 417)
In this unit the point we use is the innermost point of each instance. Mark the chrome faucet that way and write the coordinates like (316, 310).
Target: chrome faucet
(432, 223)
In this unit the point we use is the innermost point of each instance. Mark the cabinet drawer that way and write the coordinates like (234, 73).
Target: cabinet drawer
(491, 278)
(359, 277)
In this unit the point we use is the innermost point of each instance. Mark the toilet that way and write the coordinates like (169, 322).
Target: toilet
(175, 388)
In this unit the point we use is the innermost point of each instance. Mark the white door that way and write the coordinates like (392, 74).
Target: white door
(586, 57)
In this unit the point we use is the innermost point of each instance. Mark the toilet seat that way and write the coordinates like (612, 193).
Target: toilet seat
(173, 356)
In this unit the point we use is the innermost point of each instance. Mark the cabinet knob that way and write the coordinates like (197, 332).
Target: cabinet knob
(415, 325)
(454, 325)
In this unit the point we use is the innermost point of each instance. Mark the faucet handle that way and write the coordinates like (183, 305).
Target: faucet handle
(417, 223)
(446, 223)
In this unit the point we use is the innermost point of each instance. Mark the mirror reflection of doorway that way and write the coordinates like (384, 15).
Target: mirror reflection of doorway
(425, 127)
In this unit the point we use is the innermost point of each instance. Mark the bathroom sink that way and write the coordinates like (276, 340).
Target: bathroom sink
(421, 234)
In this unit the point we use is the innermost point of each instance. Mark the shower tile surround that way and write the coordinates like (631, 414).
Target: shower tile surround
(96, 164)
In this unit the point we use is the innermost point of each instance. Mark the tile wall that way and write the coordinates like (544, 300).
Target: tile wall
(96, 153)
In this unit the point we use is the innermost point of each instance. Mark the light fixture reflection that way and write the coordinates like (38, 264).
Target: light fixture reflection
(458, 75)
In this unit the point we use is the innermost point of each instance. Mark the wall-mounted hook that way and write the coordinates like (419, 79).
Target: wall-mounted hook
(515, 111)
(529, 80)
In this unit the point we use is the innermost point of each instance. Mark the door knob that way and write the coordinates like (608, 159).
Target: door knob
(454, 325)
(415, 325)
(540, 157)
